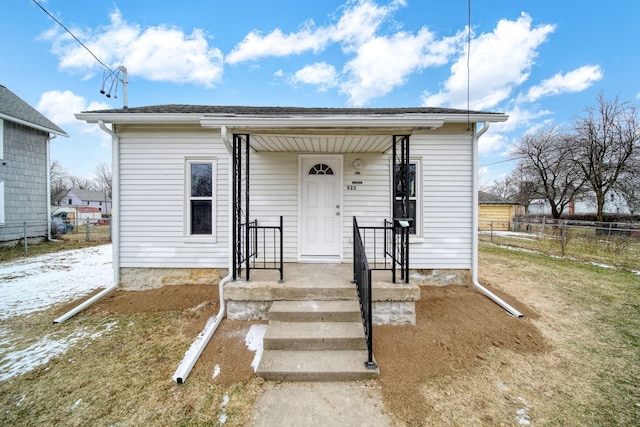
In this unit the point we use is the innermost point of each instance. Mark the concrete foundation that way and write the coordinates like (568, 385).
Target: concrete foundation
(440, 277)
(139, 279)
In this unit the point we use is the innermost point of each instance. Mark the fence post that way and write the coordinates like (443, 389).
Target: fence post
(87, 232)
(564, 235)
(491, 232)
(26, 245)
(544, 220)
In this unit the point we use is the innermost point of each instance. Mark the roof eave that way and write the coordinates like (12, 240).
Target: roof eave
(412, 120)
(33, 125)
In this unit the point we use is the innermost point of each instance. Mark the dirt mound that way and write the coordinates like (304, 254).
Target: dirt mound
(456, 326)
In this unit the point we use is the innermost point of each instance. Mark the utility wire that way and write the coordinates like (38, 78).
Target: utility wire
(72, 35)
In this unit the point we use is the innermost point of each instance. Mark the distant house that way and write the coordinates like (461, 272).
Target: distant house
(496, 212)
(24, 168)
(87, 198)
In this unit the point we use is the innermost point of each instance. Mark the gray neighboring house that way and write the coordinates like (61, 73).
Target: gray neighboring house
(24, 168)
(89, 198)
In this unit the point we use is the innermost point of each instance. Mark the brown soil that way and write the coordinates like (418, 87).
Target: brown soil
(456, 327)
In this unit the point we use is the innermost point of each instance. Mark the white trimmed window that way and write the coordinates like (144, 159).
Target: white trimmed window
(200, 191)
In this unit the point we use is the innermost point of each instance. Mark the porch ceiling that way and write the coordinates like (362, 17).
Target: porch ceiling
(321, 143)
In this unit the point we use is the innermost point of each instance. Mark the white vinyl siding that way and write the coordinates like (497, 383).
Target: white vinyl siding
(1, 202)
(446, 199)
(152, 198)
(369, 199)
(274, 192)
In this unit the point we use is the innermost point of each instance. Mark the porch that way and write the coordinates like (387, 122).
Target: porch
(315, 330)
(393, 303)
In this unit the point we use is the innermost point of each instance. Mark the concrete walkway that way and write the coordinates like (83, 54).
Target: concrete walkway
(320, 404)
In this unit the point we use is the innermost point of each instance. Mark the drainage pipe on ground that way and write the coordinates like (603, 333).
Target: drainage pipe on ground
(197, 347)
(474, 231)
(115, 190)
(85, 304)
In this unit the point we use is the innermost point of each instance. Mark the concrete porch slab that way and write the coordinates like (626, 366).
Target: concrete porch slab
(393, 303)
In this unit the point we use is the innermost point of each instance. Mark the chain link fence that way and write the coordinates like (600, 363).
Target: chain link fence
(608, 243)
(26, 233)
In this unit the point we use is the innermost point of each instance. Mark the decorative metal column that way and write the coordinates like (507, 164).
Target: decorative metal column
(402, 215)
(240, 228)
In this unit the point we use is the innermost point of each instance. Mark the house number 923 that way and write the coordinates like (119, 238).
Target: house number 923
(351, 187)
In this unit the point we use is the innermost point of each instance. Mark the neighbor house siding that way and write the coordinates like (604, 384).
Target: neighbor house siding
(153, 229)
(447, 200)
(496, 217)
(24, 173)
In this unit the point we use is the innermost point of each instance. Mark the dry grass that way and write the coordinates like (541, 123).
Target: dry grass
(591, 318)
(122, 378)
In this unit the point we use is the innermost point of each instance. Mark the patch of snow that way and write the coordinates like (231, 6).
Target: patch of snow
(253, 341)
(225, 400)
(502, 387)
(16, 362)
(521, 414)
(222, 418)
(216, 371)
(77, 402)
(33, 284)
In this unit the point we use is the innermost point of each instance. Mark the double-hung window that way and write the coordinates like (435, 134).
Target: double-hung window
(201, 175)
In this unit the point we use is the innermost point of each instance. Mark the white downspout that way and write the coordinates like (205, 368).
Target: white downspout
(115, 226)
(197, 347)
(474, 231)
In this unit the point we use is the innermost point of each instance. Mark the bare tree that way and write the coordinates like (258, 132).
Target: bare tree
(628, 186)
(520, 185)
(547, 160)
(58, 181)
(606, 140)
(104, 178)
(82, 183)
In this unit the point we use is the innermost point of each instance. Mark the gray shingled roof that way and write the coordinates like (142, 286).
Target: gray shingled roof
(491, 199)
(279, 111)
(13, 107)
(89, 195)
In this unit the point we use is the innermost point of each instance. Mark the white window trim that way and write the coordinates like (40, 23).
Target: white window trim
(204, 238)
(413, 238)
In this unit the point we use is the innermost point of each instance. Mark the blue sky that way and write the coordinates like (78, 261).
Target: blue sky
(542, 62)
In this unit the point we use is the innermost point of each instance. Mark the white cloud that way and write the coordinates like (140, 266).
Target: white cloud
(60, 107)
(357, 24)
(490, 143)
(320, 74)
(571, 82)
(159, 53)
(499, 61)
(370, 73)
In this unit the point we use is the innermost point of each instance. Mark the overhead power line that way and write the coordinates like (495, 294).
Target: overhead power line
(72, 35)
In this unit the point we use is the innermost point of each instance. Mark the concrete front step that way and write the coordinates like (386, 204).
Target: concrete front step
(327, 365)
(315, 311)
(314, 336)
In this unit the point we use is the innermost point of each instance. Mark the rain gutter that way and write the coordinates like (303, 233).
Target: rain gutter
(474, 231)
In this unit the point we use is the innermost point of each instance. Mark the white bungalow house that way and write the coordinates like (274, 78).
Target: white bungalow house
(188, 179)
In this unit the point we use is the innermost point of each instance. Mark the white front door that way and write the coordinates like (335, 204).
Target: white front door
(321, 207)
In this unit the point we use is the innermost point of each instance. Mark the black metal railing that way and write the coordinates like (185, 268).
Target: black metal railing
(387, 248)
(362, 279)
(260, 247)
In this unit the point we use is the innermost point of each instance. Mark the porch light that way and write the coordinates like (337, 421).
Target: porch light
(357, 163)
